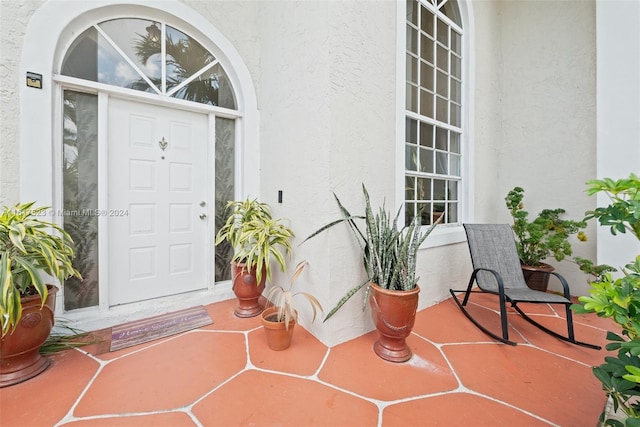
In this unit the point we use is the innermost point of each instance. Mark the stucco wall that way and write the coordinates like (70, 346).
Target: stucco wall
(328, 125)
(487, 110)
(14, 16)
(548, 112)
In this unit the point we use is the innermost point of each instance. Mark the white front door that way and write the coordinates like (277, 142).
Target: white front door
(158, 201)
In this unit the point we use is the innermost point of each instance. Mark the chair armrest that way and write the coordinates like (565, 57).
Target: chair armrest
(495, 274)
(563, 281)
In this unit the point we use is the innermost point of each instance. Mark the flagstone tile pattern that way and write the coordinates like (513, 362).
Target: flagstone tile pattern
(223, 374)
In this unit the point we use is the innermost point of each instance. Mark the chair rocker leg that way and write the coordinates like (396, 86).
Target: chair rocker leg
(473, 320)
(569, 339)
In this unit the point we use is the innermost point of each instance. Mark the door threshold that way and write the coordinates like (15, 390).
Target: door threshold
(95, 318)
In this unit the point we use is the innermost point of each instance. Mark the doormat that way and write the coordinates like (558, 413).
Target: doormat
(152, 328)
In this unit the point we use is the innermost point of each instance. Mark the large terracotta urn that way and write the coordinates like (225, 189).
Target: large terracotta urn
(247, 290)
(20, 357)
(393, 313)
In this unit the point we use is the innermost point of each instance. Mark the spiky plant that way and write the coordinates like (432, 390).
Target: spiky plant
(389, 253)
(283, 299)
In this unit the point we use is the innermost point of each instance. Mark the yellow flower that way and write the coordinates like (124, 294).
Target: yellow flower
(582, 236)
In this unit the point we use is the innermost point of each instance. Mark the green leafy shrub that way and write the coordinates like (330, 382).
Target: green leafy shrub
(619, 299)
(547, 235)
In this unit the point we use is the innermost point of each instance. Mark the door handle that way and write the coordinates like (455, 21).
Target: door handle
(203, 216)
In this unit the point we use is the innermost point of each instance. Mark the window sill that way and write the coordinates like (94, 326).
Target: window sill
(445, 235)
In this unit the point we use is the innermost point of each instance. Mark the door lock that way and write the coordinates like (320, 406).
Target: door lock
(203, 204)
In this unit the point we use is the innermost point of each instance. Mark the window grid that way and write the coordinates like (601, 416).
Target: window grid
(433, 111)
(149, 56)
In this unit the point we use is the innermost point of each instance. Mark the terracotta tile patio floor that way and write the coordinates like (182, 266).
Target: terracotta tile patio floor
(224, 375)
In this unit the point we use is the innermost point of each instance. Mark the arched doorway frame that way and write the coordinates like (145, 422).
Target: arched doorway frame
(51, 30)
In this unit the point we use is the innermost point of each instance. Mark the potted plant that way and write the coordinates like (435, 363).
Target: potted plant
(257, 239)
(28, 247)
(389, 259)
(546, 236)
(280, 319)
(618, 299)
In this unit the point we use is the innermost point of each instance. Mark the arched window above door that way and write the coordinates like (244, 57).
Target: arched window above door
(149, 56)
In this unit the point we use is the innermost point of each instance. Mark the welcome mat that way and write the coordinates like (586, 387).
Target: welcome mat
(152, 328)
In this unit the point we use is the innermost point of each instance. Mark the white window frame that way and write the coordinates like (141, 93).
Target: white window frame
(443, 234)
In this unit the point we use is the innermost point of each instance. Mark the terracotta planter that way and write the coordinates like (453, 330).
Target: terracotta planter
(394, 313)
(538, 282)
(247, 290)
(20, 358)
(278, 336)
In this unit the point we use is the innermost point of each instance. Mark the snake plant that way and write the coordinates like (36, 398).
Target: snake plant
(389, 253)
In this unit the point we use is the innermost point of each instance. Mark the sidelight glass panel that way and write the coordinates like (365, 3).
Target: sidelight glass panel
(224, 190)
(80, 195)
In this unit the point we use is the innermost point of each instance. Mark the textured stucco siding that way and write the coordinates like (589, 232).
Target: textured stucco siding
(14, 17)
(548, 142)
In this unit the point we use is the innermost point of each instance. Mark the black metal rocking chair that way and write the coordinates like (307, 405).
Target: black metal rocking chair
(496, 270)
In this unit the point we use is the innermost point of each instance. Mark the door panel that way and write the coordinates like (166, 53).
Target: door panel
(157, 182)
